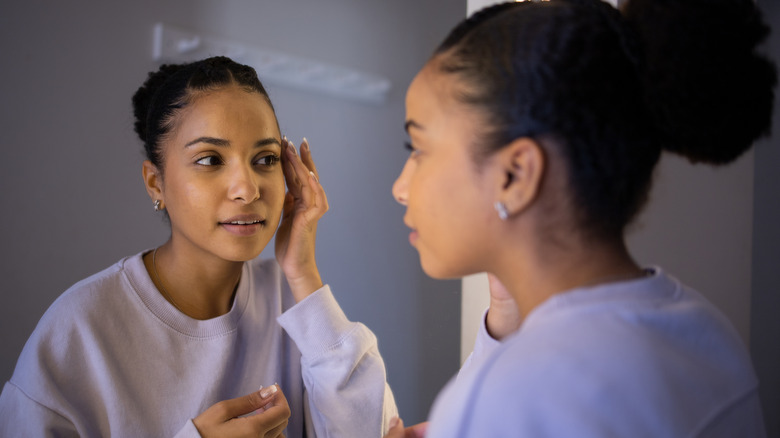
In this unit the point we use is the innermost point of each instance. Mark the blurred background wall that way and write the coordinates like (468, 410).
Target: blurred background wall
(72, 197)
(73, 201)
(765, 279)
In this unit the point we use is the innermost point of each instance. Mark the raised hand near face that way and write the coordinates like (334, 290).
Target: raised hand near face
(304, 205)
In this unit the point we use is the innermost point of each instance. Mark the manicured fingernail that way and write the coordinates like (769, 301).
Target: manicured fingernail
(394, 422)
(267, 392)
(313, 176)
(291, 147)
(305, 144)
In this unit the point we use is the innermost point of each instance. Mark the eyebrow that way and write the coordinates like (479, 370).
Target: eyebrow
(411, 124)
(225, 143)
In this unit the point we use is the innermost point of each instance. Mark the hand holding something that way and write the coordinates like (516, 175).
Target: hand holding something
(304, 205)
(503, 317)
(397, 430)
(225, 419)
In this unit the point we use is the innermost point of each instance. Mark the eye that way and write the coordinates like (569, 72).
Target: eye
(268, 160)
(209, 160)
(412, 150)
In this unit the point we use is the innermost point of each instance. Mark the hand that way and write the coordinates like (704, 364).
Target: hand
(397, 430)
(304, 205)
(225, 419)
(503, 316)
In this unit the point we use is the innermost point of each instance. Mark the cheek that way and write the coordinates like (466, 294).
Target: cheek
(199, 194)
(275, 190)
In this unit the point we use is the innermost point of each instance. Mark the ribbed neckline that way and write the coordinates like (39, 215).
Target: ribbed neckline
(142, 284)
(655, 286)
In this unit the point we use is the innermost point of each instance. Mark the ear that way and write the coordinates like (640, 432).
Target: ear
(522, 165)
(153, 181)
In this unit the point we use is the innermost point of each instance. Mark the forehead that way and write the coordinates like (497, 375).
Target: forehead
(228, 108)
(430, 91)
(431, 102)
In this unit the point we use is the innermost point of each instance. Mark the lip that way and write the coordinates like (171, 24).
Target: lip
(243, 224)
(413, 236)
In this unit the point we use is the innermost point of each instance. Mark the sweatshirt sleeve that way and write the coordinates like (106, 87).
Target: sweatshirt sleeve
(344, 375)
(21, 416)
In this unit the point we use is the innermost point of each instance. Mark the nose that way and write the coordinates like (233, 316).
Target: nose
(401, 185)
(244, 185)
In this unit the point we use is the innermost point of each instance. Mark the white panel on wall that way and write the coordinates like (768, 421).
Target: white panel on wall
(173, 44)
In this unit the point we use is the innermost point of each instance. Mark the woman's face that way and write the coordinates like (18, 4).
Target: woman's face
(448, 200)
(223, 185)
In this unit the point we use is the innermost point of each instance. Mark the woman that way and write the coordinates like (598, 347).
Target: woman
(178, 339)
(534, 130)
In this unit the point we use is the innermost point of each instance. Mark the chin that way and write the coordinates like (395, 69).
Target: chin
(441, 271)
(243, 254)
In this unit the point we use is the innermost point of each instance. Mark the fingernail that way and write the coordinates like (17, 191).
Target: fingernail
(394, 422)
(305, 143)
(313, 176)
(291, 146)
(269, 391)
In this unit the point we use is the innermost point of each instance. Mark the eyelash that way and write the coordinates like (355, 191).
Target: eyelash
(273, 158)
(412, 150)
(213, 157)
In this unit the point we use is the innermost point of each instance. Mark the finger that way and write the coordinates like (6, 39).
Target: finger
(320, 198)
(247, 404)
(306, 188)
(417, 431)
(299, 179)
(310, 191)
(276, 432)
(396, 428)
(273, 419)
(288, 158)
(307, 159)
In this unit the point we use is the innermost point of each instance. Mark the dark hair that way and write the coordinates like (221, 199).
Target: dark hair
(576, 71)
(171, 88)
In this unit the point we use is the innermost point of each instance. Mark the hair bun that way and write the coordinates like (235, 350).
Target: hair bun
(709, 91)
(144, 96)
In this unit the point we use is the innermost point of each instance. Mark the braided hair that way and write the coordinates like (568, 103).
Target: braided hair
(172, 87)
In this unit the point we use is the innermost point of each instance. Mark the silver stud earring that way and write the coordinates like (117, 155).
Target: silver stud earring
(156, 205)
(503, 213)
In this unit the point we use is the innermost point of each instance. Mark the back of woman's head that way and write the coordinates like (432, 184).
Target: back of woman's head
(613, 89)
(171, 88)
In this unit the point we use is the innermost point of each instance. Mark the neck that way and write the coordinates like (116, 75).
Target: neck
(545, 273)
(200, 287)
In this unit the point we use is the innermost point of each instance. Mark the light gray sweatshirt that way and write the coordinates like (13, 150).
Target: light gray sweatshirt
(112, 357)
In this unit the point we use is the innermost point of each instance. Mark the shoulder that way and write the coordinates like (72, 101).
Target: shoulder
(62, 341)
(617, 365)
(91, 294)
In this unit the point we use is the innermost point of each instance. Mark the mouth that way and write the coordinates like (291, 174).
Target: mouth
(254, 222)
(245, 225)
(413, 234)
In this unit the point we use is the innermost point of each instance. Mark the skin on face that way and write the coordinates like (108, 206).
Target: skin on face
(449, 201)
(223, 185)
